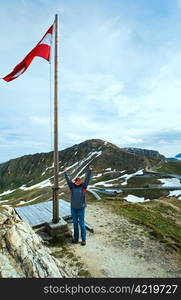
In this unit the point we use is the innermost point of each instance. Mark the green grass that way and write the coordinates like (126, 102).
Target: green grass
(142, 181)
(175, 202)
(162, 220)
(84, 273)
(67, 254)
(21, 195)
(170, 167)
(106, 177)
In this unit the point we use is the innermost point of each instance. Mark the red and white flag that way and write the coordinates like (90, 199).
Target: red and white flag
(42, 49)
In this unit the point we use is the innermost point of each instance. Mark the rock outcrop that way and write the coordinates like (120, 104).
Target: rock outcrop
(22, 252)
(146, 152)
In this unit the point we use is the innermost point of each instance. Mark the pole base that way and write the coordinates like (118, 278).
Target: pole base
(58, 229)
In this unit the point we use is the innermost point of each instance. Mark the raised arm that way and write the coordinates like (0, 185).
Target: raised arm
(87, 178)
(69, 181)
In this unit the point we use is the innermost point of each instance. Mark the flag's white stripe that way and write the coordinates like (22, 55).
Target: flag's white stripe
(19, 73)
(47, 39)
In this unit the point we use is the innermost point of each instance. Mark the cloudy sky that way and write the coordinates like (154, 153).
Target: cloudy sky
(119, 75)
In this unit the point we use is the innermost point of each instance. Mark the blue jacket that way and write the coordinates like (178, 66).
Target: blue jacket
(78, 200)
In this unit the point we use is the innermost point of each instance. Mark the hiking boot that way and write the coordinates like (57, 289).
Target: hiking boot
(83, 243)
(74, 241)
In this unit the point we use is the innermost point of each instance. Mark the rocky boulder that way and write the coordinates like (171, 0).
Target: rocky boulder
(22, 252)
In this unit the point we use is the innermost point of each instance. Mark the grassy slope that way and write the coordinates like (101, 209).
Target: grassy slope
(142, 181)
(162, 218)
(170, 167)
(20, 195)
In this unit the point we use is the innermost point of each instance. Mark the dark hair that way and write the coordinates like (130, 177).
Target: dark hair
(77, 179)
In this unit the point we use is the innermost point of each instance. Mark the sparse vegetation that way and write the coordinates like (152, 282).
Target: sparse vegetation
(170, 167)
(162, 218)
(141, 181)
(21, 195)
(61, 250)
(84, 273)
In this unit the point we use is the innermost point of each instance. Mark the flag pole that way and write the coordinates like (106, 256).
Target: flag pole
(58, 226)
(56, 153)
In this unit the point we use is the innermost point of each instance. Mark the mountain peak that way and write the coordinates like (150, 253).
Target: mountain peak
(97, 144)
(30, 169)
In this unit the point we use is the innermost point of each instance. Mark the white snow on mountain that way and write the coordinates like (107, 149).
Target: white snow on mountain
(175, 193)
(170, 182)
(128, 176)
(135, 199)
(7, 192)
(47, 169)
(40, 185)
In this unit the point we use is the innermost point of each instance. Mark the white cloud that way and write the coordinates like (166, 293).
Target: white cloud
(130, 140)
(40, 120)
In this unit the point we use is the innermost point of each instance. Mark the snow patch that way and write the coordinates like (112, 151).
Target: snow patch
(72, 165)
(81, 170)
(3, 201)
(97, 153)
(170, 182)
(47, 169)
(135, 199)
(7, 192)
(98, 175)
(40, 185)
(105, 183)
(175, 193)
(23, 202)
(128, 176)
(92, 154)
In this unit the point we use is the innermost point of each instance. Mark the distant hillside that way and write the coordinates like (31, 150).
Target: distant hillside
(146, 152)
(28, 179)
(175, 158)
(178, 156)
(30, 169)
(170, 167)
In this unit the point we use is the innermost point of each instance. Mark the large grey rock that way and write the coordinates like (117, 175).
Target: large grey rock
(22, 251)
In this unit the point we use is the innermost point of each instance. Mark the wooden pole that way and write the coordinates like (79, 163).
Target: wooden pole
(56, 153)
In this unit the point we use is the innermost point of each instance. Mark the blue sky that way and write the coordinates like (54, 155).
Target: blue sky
(119, 75)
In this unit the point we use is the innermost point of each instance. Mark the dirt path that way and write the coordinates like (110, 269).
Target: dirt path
(119, 248)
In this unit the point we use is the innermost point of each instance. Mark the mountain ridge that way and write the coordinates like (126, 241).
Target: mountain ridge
(29, 179)
(28, 169)
(134, 150)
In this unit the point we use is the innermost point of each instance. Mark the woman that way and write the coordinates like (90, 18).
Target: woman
(78, 204)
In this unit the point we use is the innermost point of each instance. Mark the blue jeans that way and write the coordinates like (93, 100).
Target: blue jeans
(78, 216)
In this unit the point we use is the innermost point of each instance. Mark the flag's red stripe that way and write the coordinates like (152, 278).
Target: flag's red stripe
(41, 50)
